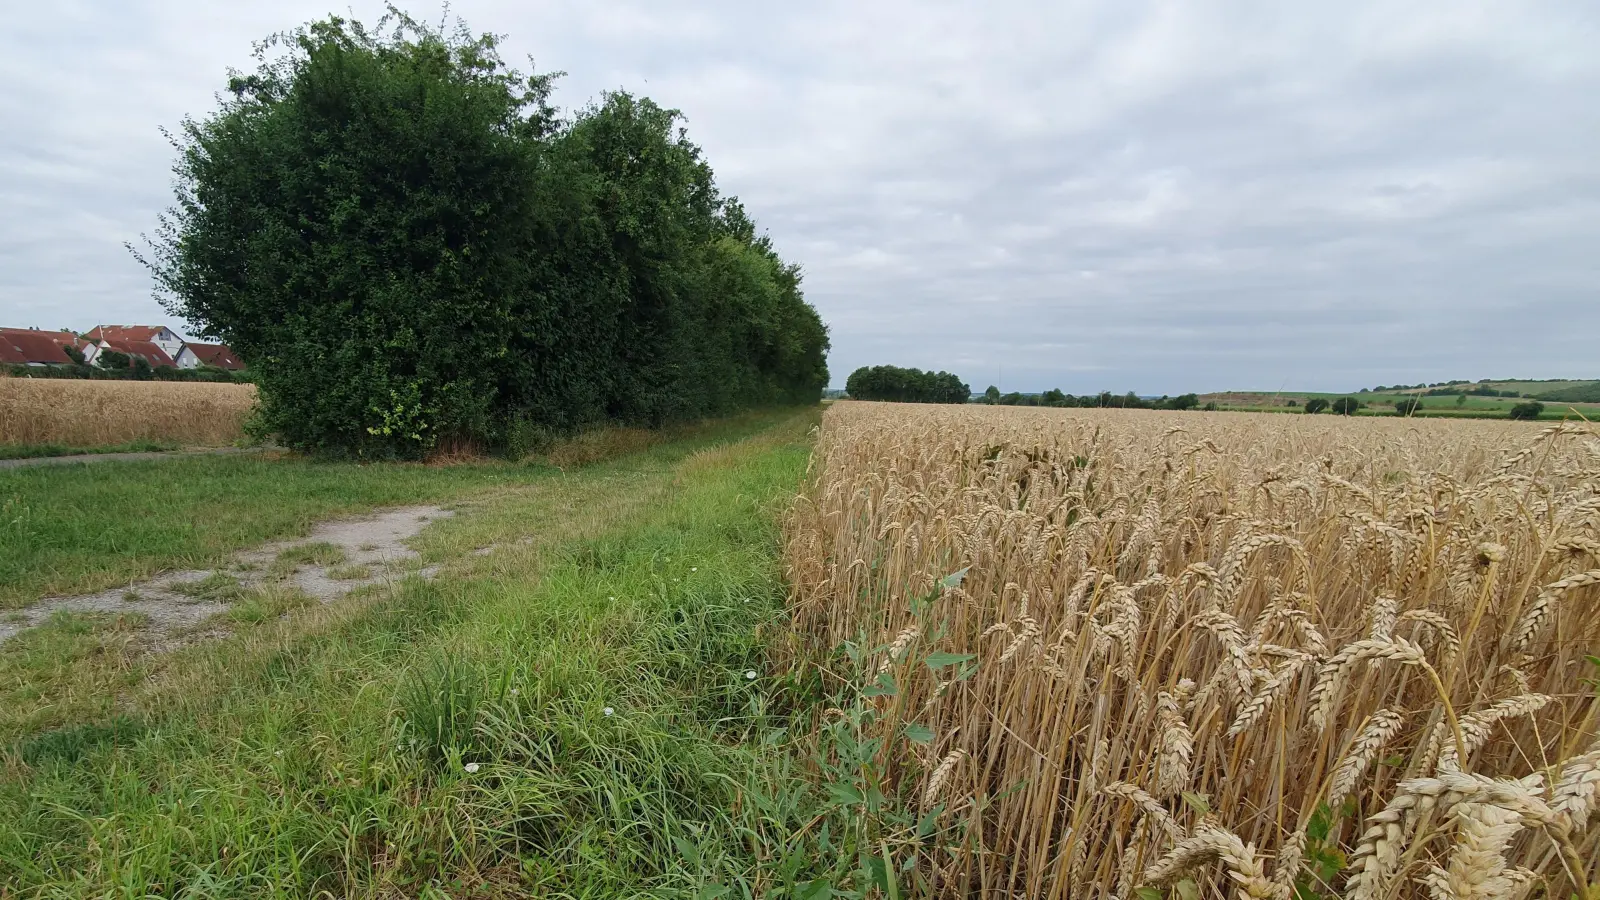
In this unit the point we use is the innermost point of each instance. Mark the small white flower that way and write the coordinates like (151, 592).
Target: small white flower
(612, 599)
(513, 692)
(277, 753)
(750, 675)
(607, 711)
(694, 568)
(747, 599)
(471, 768)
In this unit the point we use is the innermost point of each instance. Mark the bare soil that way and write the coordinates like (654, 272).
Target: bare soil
(173, 612)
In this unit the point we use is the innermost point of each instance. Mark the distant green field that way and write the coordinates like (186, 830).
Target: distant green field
(1383, 404)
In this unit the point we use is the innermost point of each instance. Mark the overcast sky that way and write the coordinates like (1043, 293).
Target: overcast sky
(1087, 195)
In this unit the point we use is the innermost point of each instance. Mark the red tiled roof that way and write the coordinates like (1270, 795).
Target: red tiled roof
(219, 355)
(26, 345)
(126, 332)
(151, 354)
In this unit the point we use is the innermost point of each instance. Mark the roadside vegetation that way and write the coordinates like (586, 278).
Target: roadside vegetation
(563, 715)
(81, 528)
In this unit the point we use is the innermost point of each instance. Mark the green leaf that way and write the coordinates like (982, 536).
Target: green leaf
(1147, 893)
(954, 578)
(820, 889)
(1321, 824)
(878, 872)
(885, 687)
(920, 734)
(845, 794)
(1197, 802)
(686, 850)
(1187, 889)
(712, 892)
(940, 659)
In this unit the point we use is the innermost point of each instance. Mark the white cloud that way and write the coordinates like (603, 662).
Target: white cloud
(1161, 196)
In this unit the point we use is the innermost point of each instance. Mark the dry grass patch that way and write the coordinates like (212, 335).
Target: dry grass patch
(1244, 655)
(36, 411)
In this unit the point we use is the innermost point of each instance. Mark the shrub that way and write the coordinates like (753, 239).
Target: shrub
(525, 437)
(114, 361)
(411, 246)
(1529, 410)
(1316, 405)
(1345, 406)
(1407, 406)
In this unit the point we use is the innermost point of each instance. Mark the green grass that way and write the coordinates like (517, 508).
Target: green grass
(35, 451)
(317, 553)
(219, 587)
(570, 716)
(74, 529)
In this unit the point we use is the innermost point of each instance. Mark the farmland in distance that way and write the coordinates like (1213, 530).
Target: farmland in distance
(74, 414)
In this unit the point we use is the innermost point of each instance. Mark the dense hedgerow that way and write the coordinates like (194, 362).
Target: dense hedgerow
(411, 246)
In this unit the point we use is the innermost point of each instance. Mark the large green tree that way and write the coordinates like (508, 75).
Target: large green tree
(411, 247)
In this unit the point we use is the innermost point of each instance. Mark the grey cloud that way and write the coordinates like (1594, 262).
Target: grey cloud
(1091, 195)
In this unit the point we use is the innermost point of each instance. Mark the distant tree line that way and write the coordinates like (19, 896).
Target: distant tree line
(897, 385)
(1105, 399)
(412, 246)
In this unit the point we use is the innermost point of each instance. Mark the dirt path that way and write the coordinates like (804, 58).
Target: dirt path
(336, 558)
(119, 457)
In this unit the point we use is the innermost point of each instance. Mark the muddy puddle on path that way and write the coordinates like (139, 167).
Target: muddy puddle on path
(336, 558)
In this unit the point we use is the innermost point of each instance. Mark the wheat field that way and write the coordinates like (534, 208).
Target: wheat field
(1219, 654)
(40, 411)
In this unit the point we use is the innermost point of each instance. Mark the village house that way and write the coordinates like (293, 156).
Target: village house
(160, 335)
(157, 345)
(34, 347)
(218, 355)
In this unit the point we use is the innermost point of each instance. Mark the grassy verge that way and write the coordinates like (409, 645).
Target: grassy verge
(585, 711)
(35, 451)
(73, 529)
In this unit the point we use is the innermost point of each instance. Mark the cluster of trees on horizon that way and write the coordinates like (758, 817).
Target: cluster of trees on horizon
(412, 246)
(896, 385)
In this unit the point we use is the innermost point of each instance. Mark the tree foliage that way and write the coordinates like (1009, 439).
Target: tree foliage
(899, 385)
(1345, 406)
(1316, 405)
(1528, 410)
(1105, 399)
(411, 245)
